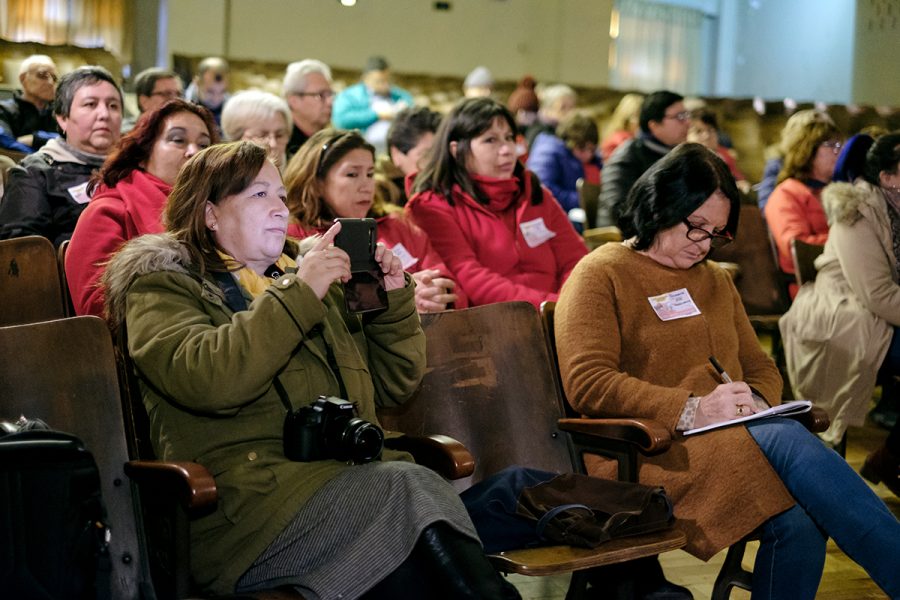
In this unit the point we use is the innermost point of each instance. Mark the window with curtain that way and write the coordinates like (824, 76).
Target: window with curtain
(83, 23)
(656, 47)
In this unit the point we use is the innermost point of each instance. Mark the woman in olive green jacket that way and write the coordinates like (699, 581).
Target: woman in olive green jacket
(226, 330)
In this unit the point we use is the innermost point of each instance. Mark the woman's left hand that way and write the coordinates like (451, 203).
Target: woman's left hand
(391, 267)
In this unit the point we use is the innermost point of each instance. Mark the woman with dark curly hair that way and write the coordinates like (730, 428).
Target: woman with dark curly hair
(129, 192)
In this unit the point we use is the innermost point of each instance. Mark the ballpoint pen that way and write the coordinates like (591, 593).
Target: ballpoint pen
(720, 370)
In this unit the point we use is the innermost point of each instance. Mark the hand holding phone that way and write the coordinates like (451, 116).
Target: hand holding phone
(365, 291)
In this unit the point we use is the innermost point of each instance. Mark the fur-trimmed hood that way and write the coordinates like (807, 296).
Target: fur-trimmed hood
(845, 202)
(140, 256)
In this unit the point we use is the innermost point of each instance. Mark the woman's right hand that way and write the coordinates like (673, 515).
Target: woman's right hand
(324, 264)
(433, 292)
(728, 401)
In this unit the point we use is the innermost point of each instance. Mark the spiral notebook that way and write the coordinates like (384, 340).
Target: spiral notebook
(794, 407)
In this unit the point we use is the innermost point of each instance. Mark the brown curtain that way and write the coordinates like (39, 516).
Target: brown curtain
(82, 23)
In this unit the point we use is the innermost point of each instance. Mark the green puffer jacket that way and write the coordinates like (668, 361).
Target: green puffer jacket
(211, 397)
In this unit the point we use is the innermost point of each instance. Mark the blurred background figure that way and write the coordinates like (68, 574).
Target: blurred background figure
(409, 140)
(790, 134)
(664, 123)
(210, 85)
(153, 88)
(794, 210)
(524, 105)
(307, 90)
(371, 104)
(479, 82)
(704, 130)
(622, 125)
(26, 119)
(259, 117)
(557, 101)
(561, 160)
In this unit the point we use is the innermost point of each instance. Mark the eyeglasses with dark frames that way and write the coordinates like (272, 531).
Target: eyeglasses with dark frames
(698, 234)
(323, 95)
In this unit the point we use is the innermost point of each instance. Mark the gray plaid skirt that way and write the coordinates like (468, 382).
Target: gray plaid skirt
(356, 530)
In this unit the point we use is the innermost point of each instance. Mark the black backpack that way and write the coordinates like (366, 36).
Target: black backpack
(53, 537)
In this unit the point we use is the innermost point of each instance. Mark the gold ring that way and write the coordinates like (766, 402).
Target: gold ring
(740, 410)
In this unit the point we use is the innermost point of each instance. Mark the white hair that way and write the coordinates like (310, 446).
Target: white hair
(295, 75)
(35, 59)
(245, 108)
(552, 93)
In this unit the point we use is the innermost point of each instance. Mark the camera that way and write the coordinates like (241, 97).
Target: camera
(329, 428)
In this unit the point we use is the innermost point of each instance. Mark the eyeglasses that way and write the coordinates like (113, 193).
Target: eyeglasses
(834, 145)
(277, 136)
(47, 75)
(680, 116)
(323, 95)
(698, 234)
(168, 95)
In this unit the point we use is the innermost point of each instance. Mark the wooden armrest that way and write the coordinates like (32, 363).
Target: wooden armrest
(649, 436)
(437, 452)
(815, 419)
(187, 482)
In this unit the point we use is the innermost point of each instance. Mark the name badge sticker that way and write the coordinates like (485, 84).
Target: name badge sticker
(535, 232)
(674, 305)
(407, 260)
(79, 193)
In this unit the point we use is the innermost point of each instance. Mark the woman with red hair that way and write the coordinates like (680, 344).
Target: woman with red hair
(130, 191)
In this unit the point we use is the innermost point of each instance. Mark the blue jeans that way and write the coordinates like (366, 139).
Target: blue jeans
(832, 501)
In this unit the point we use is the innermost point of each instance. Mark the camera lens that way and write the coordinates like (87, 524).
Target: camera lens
(362, 440)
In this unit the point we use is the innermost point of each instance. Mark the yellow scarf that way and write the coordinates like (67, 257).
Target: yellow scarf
(250, 280)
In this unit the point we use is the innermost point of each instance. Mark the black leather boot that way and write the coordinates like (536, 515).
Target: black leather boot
(459, 568)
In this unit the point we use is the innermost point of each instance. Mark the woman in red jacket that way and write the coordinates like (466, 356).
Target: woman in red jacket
(794, 210)
(130, 191)
(499, 231)
(332, 175)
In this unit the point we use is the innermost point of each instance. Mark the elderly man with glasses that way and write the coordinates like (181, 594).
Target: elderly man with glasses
(307, 90)
(26, 119)
(664, 124)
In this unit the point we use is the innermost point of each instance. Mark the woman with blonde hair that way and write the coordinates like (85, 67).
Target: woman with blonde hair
(622, 125)
(794, 210)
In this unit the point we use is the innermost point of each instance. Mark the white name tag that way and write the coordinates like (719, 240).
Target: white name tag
(536, 232)
(79, 193)
(407, 260)
(674, 305)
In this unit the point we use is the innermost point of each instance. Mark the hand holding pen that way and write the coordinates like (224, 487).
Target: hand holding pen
(728, 401)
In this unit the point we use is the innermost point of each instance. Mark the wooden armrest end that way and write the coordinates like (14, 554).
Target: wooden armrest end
(189, 482)
(649, 436)
(441, 453)
(816, 419)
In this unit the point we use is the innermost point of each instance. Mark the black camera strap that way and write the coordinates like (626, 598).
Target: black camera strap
(234, 299)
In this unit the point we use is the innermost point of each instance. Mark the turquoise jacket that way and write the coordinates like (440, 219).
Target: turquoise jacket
(352, 107)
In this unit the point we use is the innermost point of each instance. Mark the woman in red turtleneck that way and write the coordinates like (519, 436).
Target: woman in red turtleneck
(502, 235)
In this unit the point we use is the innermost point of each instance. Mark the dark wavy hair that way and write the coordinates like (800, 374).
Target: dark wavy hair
(136, 146)
(304, 176)
(674, 187)
(469, 118)
(883, 157)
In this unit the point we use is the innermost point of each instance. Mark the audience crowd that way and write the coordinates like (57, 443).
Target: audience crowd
(206, 223)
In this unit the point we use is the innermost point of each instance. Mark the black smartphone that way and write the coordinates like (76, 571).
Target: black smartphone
(365, 291)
